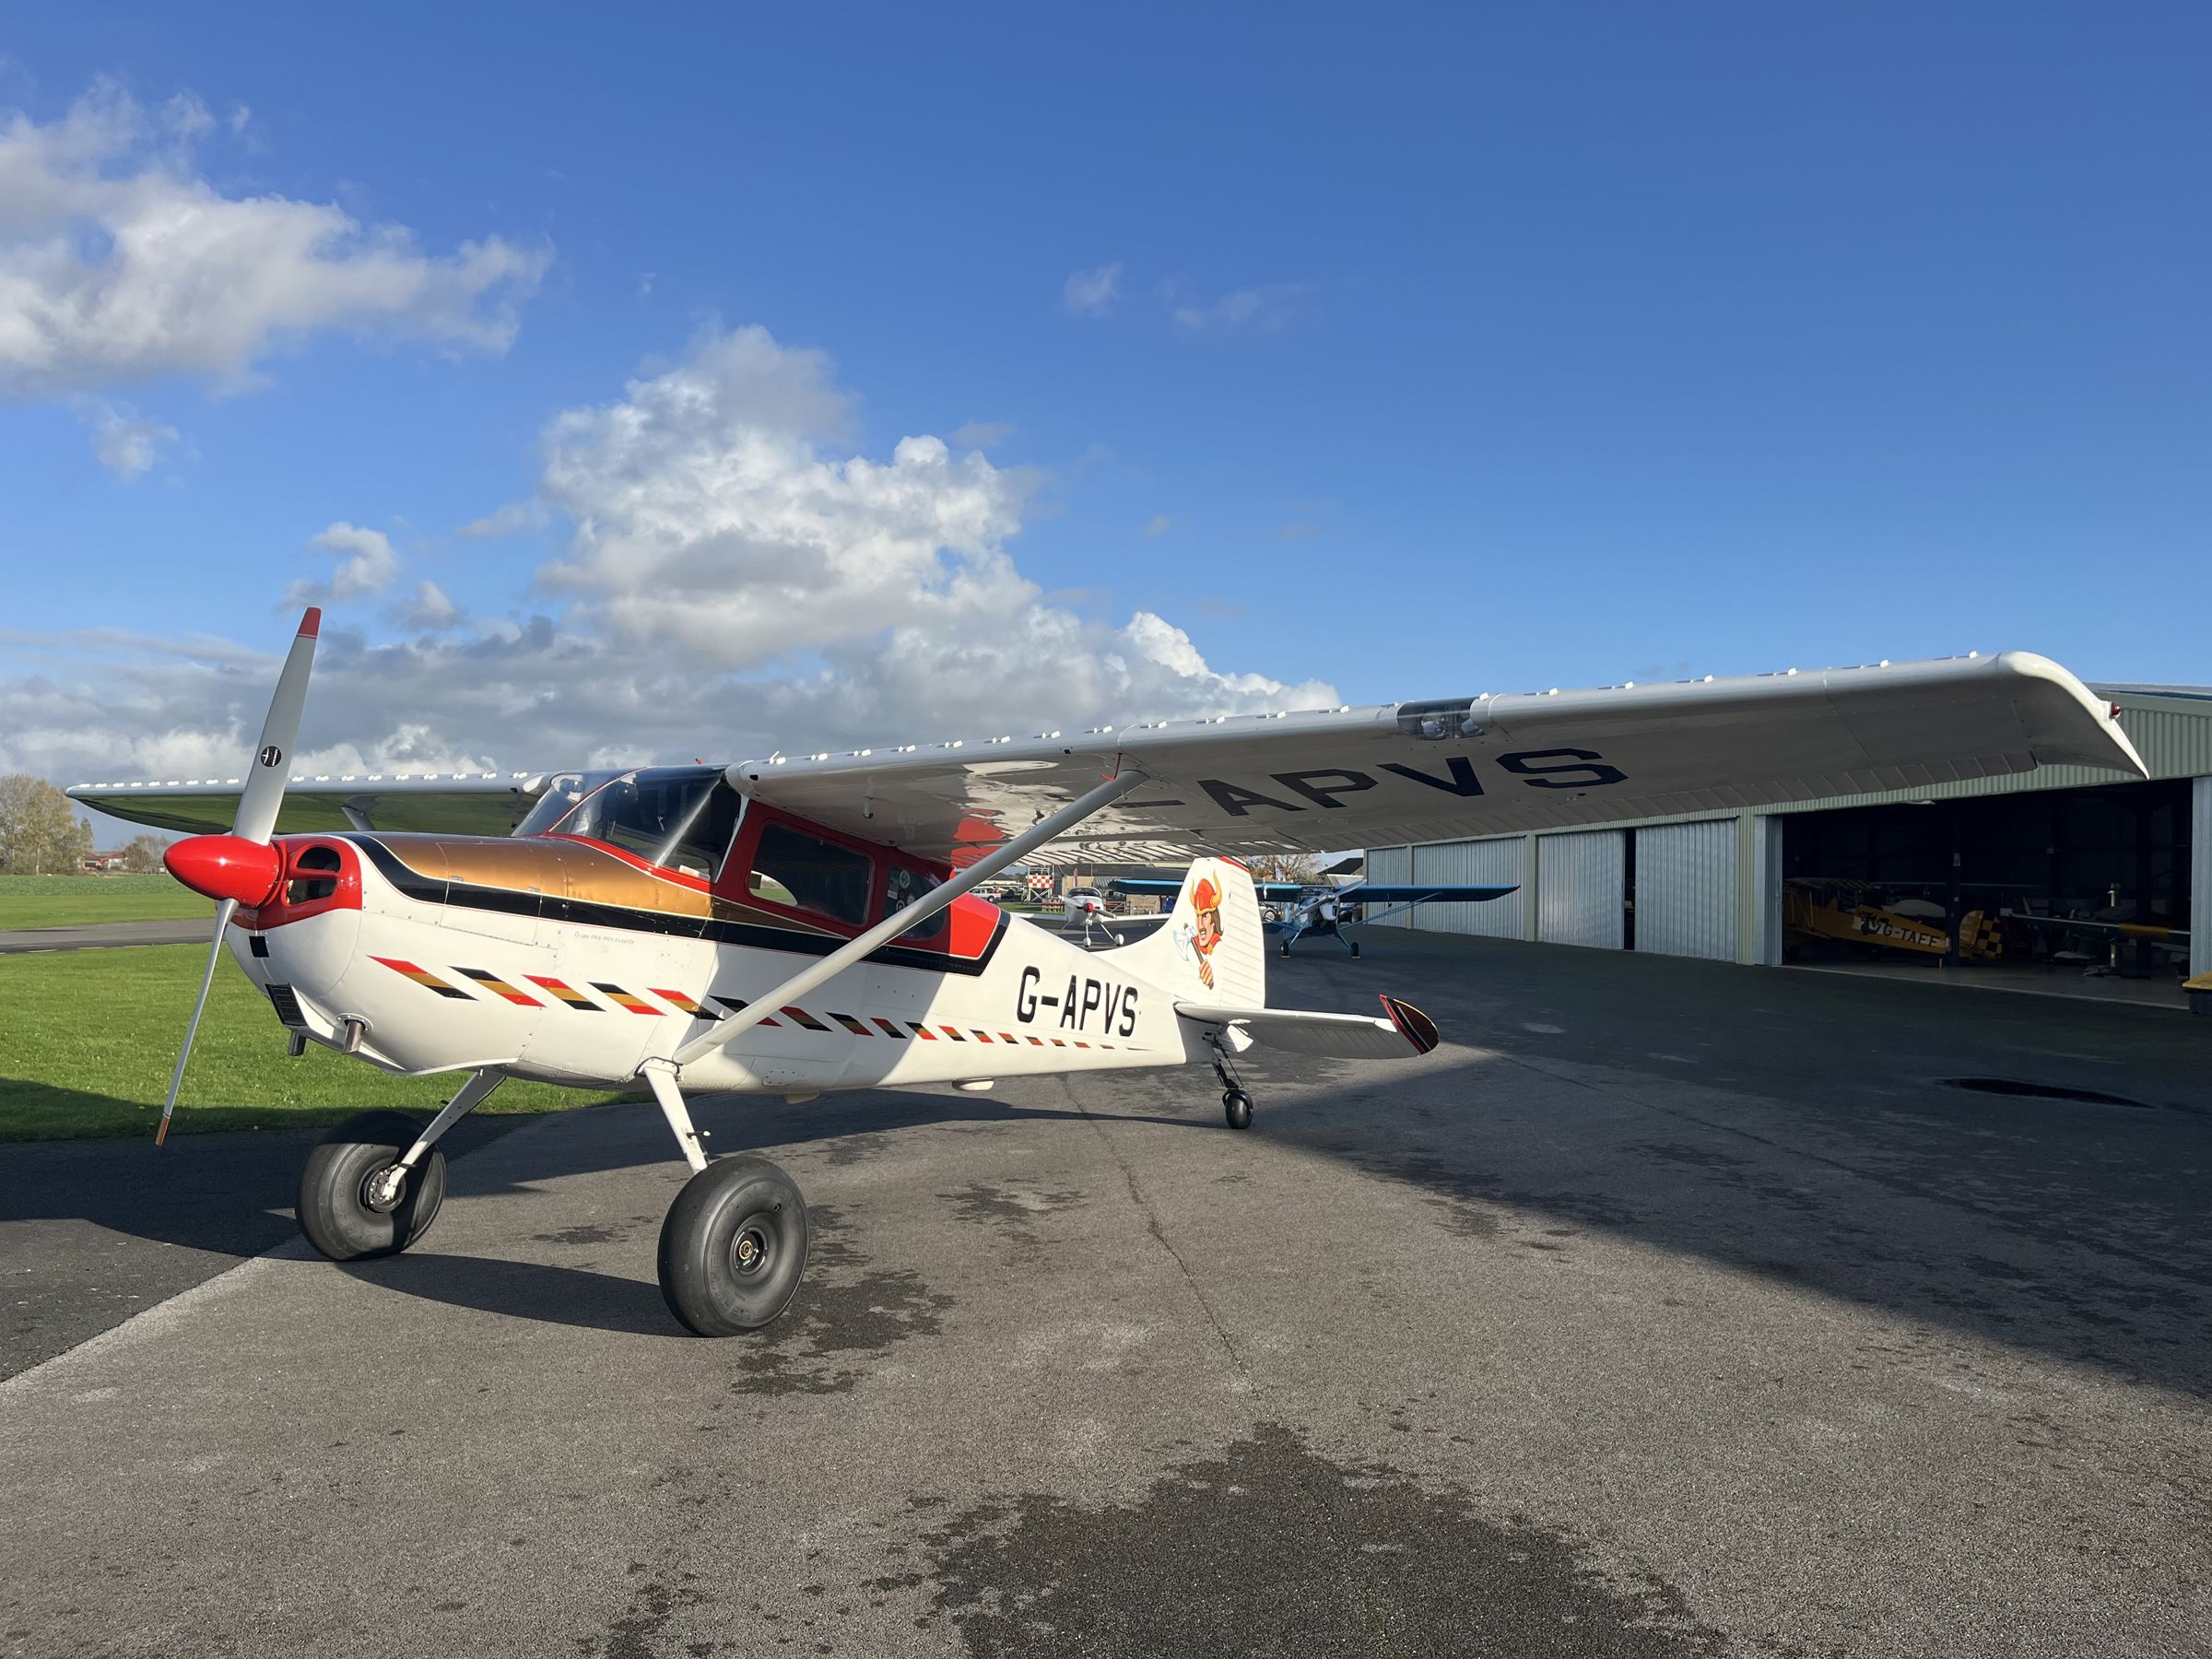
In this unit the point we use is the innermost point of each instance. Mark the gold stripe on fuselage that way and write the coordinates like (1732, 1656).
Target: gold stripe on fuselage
(576, 871)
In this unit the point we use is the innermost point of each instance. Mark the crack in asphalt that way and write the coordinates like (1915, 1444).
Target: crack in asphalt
(1160, 1236)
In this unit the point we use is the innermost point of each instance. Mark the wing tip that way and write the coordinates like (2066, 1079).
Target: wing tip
(1413, 1025)
(311, 625)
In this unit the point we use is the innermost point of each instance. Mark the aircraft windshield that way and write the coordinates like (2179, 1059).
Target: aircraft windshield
(681, 817)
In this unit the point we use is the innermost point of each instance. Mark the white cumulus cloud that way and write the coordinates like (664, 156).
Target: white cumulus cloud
(366, 565)
(121, 262)
(736, 577)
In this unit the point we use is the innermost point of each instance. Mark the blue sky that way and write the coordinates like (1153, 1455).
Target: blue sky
(1444, 352)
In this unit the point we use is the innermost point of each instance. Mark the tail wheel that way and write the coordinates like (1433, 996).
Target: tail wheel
(1355, 948)
(733, 1247)
(1236, 1106)
(349, 1206)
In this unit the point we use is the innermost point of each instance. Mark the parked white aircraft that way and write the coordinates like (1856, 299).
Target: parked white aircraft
(798, 924)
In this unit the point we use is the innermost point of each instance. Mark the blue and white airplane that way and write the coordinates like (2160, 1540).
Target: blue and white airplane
(1323, 909)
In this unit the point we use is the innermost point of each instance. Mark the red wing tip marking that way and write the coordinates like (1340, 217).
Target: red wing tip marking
(1413, 1025)
(311, 623)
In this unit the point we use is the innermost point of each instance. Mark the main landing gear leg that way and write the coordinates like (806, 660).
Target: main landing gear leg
(1236, 1105)
(373, 1186)
(734, 1246)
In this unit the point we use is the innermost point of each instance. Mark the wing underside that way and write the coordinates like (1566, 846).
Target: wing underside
(477, 804)
(1467, 767)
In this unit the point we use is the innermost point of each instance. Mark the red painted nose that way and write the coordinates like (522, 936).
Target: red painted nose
(226, 866)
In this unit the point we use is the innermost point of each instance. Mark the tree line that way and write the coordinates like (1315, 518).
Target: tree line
(41, 835)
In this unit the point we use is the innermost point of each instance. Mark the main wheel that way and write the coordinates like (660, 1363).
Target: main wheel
(344, 1207)
(733, 1247)
(1236, 1106)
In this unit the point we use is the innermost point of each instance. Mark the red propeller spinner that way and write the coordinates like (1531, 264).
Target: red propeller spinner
(226, 866)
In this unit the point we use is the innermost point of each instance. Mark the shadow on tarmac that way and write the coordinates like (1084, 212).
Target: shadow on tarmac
(552, 1295)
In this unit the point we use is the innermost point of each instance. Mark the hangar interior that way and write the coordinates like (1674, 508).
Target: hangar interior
(2049, 879)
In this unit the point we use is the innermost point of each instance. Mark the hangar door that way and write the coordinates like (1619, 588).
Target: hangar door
(1582, 887)
(1392, 865)
(1686, 889)
(1472, 864)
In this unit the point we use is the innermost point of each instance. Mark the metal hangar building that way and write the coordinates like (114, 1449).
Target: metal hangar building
(2026, 852)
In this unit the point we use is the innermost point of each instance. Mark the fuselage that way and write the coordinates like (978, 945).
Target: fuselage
(567, 960)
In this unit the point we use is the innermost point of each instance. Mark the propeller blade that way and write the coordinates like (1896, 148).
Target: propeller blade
(272, 758)
(222, 919)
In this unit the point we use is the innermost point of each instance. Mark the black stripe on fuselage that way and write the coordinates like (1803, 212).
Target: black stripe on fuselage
(554, 907)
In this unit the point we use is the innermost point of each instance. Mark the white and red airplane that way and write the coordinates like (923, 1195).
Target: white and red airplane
(805, 924)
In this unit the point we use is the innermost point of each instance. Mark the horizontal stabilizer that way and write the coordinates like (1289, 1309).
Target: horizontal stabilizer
(1342, 1036)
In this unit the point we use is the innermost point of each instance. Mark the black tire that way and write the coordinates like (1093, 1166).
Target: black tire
(1355, 948)
(1236, 1106)
(333, 1209)
(733, 1205)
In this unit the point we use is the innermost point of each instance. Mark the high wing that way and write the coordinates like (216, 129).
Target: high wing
(1321, 781)
(1463, 767)
(1373, 892)
(1269, 892)
(1356, 892)
(462, 804)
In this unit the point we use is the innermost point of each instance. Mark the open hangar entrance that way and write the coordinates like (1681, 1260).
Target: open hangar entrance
(2084, 880)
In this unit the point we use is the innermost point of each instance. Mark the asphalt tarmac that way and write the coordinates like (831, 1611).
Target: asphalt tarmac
(1669, 1308)
(98, 936)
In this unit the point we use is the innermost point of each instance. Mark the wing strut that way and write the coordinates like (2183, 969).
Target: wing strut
(913, 916)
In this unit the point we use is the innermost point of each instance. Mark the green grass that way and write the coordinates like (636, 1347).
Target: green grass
(73, 901)
(88, 1039)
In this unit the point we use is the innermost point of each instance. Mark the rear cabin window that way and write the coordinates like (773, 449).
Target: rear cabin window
(792, 867)
(902, 886)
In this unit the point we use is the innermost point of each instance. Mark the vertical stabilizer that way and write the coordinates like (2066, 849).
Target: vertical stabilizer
(1211, 948)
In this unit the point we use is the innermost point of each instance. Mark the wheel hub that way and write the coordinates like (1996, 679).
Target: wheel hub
(748, 1250)
(383, 1189)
